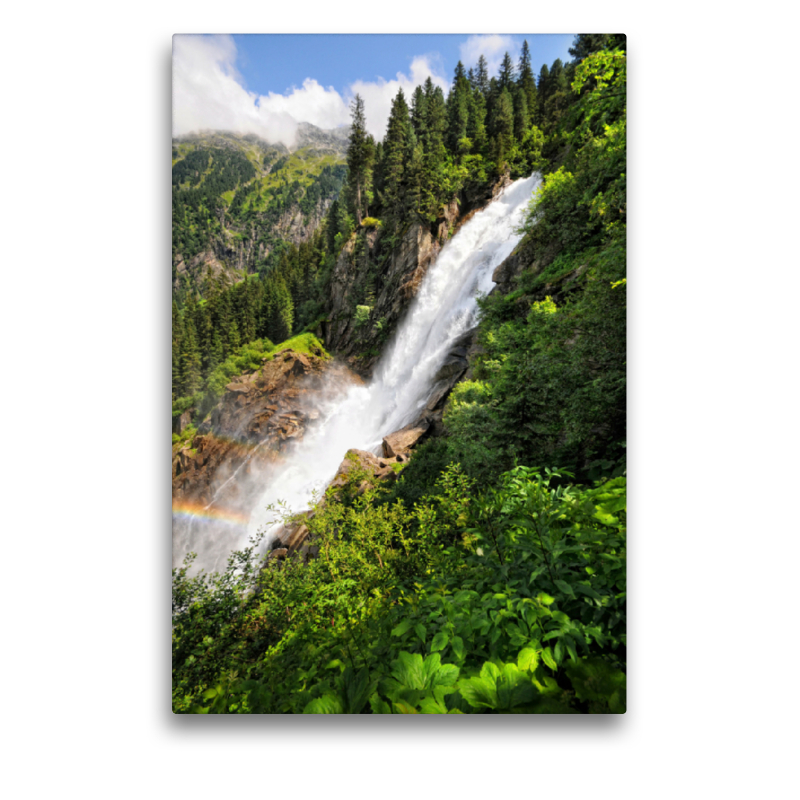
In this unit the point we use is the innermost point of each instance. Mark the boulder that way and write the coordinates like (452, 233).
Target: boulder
(404, 439)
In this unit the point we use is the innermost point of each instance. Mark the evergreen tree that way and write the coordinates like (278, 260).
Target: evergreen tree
(360, 152)
(234, 339)
(505, 77)
(585, 44)
(526, 82)
(419, 115)
(476, 123)
(190, 364)
(521, 119)
(503, 133)
(217, 352)
(458, 110)
(395, 148)
(543, 90)
(177, 344)
(482, 77)
(414, 177)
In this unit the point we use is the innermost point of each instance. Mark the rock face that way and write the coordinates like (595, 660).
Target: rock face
(527, 258)
(256, 419)
(393, 279)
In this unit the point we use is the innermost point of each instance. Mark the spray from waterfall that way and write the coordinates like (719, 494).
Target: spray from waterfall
(444, 309)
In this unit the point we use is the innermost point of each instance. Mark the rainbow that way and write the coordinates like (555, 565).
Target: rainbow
(183, 509)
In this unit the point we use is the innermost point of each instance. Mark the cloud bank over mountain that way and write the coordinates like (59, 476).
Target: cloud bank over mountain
(208, 94)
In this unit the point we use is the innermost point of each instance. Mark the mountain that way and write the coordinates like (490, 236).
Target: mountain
(238, 200)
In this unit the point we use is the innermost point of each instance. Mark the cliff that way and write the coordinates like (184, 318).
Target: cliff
(382, 277)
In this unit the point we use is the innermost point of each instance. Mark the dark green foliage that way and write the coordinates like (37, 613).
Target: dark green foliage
(508, 600)
(360, 154)
(506, 76)
(526, 81)
(587, 43)
(197, 183)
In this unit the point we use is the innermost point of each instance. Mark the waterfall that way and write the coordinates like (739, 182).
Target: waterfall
(445, 308)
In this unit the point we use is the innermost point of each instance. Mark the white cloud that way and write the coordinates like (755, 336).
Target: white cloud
(207, 93)
(492, 47)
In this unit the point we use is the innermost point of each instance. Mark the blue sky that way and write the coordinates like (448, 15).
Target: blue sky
(275, 63)
(268, 84)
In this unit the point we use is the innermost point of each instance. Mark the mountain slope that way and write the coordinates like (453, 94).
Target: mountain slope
(238, 200)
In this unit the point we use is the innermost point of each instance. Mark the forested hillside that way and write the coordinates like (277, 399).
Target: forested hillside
(238, 202)
(480, 568)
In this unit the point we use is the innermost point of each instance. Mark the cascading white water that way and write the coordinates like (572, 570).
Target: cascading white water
(444, 309)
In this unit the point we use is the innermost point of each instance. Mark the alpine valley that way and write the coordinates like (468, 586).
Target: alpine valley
(398, 403)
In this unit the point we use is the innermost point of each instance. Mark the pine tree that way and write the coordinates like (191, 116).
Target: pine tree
(526, 82)
(521, 119)
(503, 133)
(414, 176)
(419, 115)
(177, 343)
(476, 123)
(543, 91)
(190, 366)
(482, 77)
(395, 148)
(458, 110)
(505, 77)
(360, 152)
(234, 339)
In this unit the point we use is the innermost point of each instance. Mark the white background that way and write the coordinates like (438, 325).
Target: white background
(713, 166)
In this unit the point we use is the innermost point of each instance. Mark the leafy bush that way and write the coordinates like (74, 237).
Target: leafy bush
(361, 316)
(506, 600)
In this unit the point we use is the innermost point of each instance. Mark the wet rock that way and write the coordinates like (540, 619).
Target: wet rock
(452, 367)
(404, 439)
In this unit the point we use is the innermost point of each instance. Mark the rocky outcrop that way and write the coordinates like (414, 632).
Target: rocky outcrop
(527, 258)
(371, 467)
(403, 440)
(256, 420)
(391, 280)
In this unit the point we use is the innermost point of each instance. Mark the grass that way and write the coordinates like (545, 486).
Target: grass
(304, 343)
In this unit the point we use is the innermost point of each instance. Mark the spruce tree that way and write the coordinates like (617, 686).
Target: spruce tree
(482, 77)
(418, 115)
(458, 110)
(177, 342)
(543, 91)
(359, 157)
(526, 82)
(395, 148)
(190, 365)
(505, 77)
(503, 130)
(521, 119)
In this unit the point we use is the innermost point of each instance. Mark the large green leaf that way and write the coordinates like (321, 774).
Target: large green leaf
(327, 704)
(528, 659)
